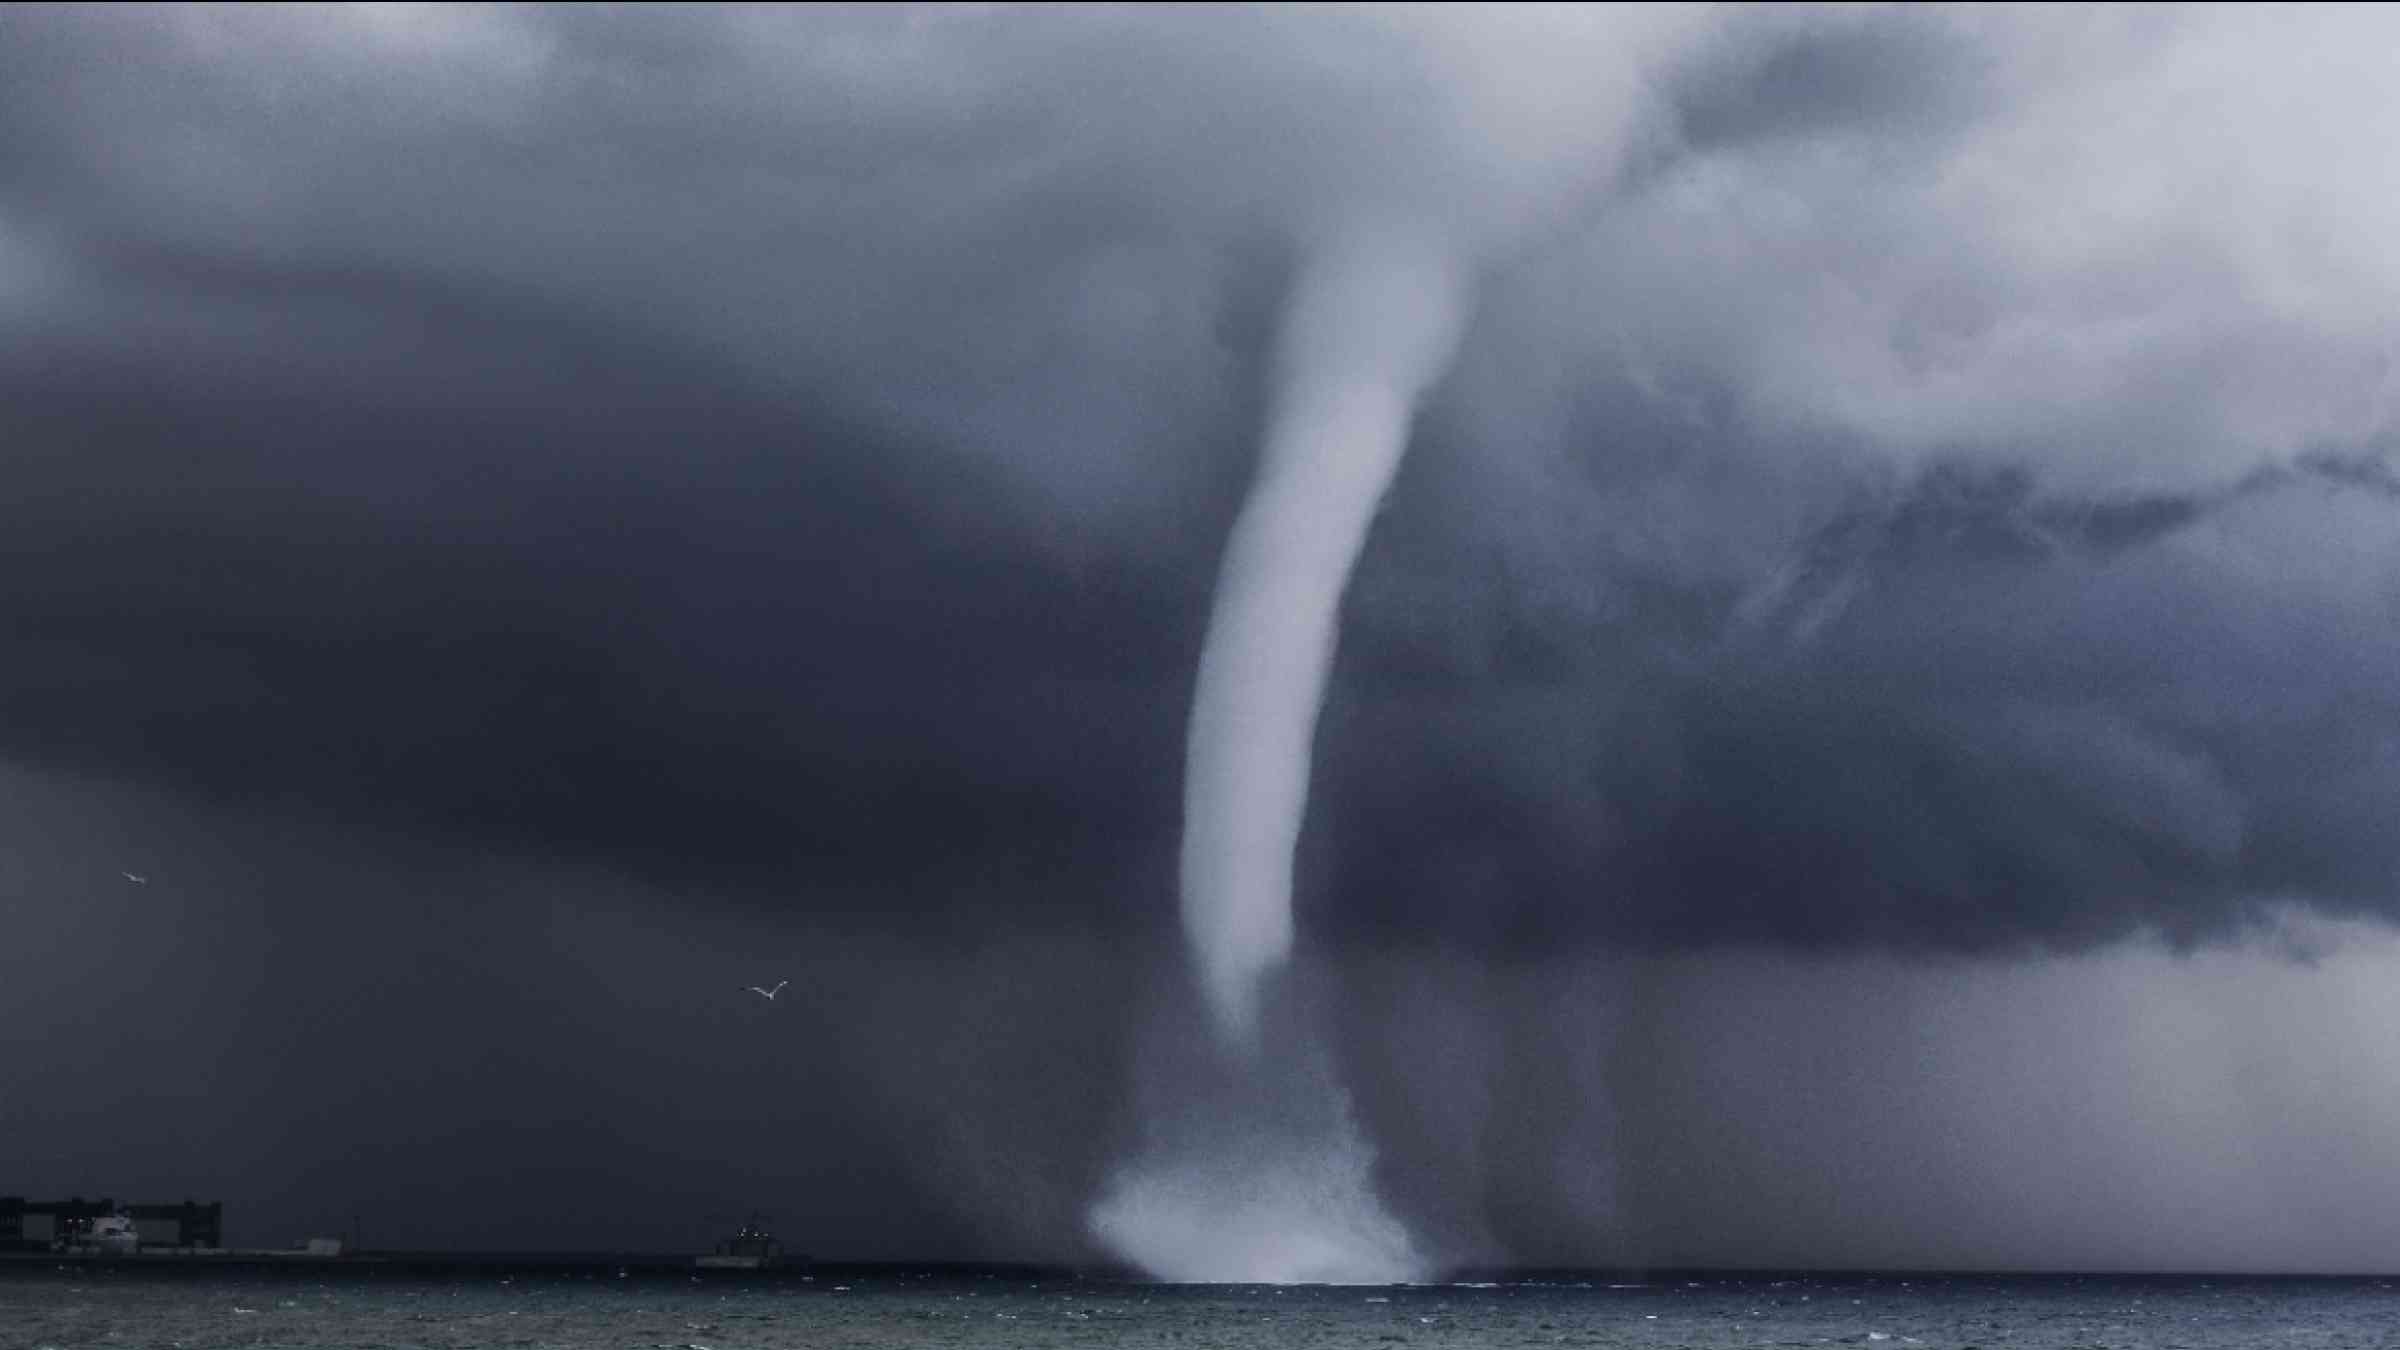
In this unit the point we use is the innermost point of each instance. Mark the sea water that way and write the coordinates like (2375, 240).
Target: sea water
(130, 1307)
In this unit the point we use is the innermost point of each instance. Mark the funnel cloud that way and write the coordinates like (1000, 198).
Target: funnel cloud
(1371, 322)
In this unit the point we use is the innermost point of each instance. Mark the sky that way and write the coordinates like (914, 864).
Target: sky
(1862, 732)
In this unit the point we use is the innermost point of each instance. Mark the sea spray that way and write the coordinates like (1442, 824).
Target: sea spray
(1304, 1214)
(1251, 1170)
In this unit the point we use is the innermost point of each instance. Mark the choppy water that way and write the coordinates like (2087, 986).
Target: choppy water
(97, 1306)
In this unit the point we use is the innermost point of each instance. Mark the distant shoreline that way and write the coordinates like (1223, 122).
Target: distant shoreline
(599, 1265)
(503, 1263)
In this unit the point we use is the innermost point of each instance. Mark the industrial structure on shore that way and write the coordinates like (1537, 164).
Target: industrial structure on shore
(75, 1223)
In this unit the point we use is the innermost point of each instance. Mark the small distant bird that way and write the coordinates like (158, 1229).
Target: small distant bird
(138, 881)
(769, 994)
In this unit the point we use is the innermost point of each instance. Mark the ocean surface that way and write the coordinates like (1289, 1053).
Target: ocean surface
(48, 1306)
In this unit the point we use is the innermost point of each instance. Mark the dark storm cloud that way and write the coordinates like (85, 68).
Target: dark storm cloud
(625, 496)
(756, 445)
(1963, 719)
(1904, 75)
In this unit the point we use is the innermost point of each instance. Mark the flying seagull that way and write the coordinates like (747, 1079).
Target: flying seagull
(138, 881)
(769, 994)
